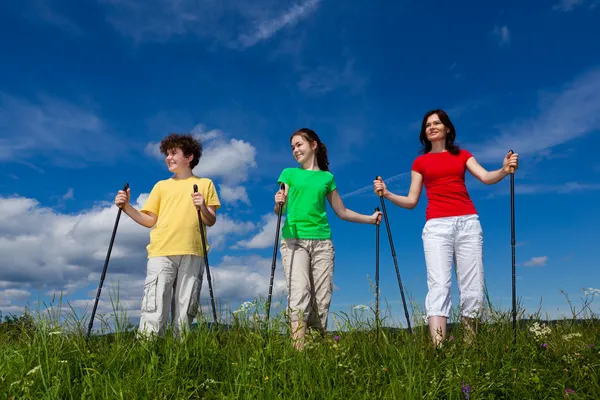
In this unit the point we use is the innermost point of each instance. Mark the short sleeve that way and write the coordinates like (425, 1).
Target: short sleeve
(152, 203)
(284, 177)
(417, 165)
(211, 197)
(332, 185)
(465, 154)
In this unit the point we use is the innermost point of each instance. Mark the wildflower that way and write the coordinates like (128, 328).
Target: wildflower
(569, 391)
(62, 361)
(544, 345)
(54, 333)
(451, 338)
(591, 292)
(540, 331)
(245, 306)
(571, 336)
(267, 378)
(590, 346)
(33, 371)
(466, 389)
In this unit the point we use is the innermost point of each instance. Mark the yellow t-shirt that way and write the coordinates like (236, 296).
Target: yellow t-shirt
(177, 231)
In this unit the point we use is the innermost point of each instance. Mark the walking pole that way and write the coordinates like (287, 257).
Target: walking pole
(377, 278)
(512, 244)
(389, 232)
(210, 289)
(110, 246)
(274, 257)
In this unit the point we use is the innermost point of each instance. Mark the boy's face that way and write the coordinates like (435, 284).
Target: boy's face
(176, 161)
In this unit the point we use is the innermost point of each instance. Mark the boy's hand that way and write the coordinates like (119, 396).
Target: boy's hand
(122, 198)
(198, 200)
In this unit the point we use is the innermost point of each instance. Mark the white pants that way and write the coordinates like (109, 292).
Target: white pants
(459, 238)
(308, 266)
(172, 283)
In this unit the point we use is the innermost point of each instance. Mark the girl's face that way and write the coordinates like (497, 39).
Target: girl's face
(302, 149)
(434, 129)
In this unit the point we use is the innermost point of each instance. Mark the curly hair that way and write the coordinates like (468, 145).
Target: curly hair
(311, 136)
(450, 136)
(186, 142)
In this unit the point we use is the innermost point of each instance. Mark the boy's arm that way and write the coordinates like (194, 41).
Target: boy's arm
(209, 215)
(210, 205)
(145, 218)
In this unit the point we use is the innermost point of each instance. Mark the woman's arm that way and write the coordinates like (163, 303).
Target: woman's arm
(511, 161)
(414, 193)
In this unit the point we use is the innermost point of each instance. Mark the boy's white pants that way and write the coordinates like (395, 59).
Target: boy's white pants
(459, 238)
(172, 284)
(308, 266)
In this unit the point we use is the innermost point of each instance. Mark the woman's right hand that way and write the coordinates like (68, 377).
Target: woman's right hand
(280, 197)
(122, 198)
(379, 187)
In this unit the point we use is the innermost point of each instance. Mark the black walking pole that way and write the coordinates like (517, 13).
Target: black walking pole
(110, 246)
(389, 232)
(377, 278)
(512, 244)
(274, 257)
(210, 289)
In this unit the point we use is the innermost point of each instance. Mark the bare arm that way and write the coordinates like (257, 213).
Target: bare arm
(414, 193)
(491, 177)
(208, 215)
(146, 218)
(345, 213)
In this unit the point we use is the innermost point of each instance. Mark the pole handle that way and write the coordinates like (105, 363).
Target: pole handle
(380, 192)
(512, 169)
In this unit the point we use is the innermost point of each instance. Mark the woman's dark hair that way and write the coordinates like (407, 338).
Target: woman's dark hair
(450, 136)
(187, 143)
(311, 136)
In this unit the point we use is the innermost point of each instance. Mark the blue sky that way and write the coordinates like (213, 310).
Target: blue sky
(87, 89)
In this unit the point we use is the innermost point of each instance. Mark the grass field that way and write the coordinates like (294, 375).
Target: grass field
(46, 357)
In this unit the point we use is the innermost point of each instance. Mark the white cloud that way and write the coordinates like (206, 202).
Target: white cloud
(266, 237)
(502, 34)
(233, 194)
(324, 79)
(54, 251)
(536, 261)
(570, 5)
(369, 188)
(571, 114)
(239, 25)
(68, 195)
(57, 129)
(563, 188)
(42, 10)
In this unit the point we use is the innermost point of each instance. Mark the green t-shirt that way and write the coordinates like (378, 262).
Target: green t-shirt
(306, 209)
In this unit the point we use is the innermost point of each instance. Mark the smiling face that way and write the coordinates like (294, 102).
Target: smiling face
(302, 149)
(177, 162)
(435, 129)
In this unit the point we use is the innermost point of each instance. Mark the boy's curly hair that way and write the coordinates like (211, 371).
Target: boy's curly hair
(186, 142)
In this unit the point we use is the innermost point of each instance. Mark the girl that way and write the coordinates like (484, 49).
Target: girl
(306, 247)
(452, 228)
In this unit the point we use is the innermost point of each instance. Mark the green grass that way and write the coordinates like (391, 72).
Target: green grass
(42, 359)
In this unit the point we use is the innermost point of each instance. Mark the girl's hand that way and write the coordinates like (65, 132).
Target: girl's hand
(376, 218)
(379, 187)
(510, 161)
(280, 197)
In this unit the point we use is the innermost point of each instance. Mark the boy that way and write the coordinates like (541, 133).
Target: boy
(175, 257)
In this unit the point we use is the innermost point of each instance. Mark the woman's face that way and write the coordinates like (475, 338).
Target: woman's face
(434, 129)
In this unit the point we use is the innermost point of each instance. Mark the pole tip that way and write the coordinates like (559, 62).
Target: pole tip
(195, 188)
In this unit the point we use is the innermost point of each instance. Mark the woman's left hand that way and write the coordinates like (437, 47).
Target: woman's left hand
(510, 161)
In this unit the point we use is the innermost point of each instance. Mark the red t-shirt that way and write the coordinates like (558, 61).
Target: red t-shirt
(444, 179)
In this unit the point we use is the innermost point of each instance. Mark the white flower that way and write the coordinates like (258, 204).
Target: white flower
(571, 336)
(591, 292)
(54, 333)
(540, 330)
(245, 306)
(33, 371)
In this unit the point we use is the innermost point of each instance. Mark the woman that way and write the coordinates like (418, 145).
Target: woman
(452, 229)
(306, 247)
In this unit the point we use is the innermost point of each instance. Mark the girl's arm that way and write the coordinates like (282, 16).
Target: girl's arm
(414, 193)
(490, 177)
(348, 215)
